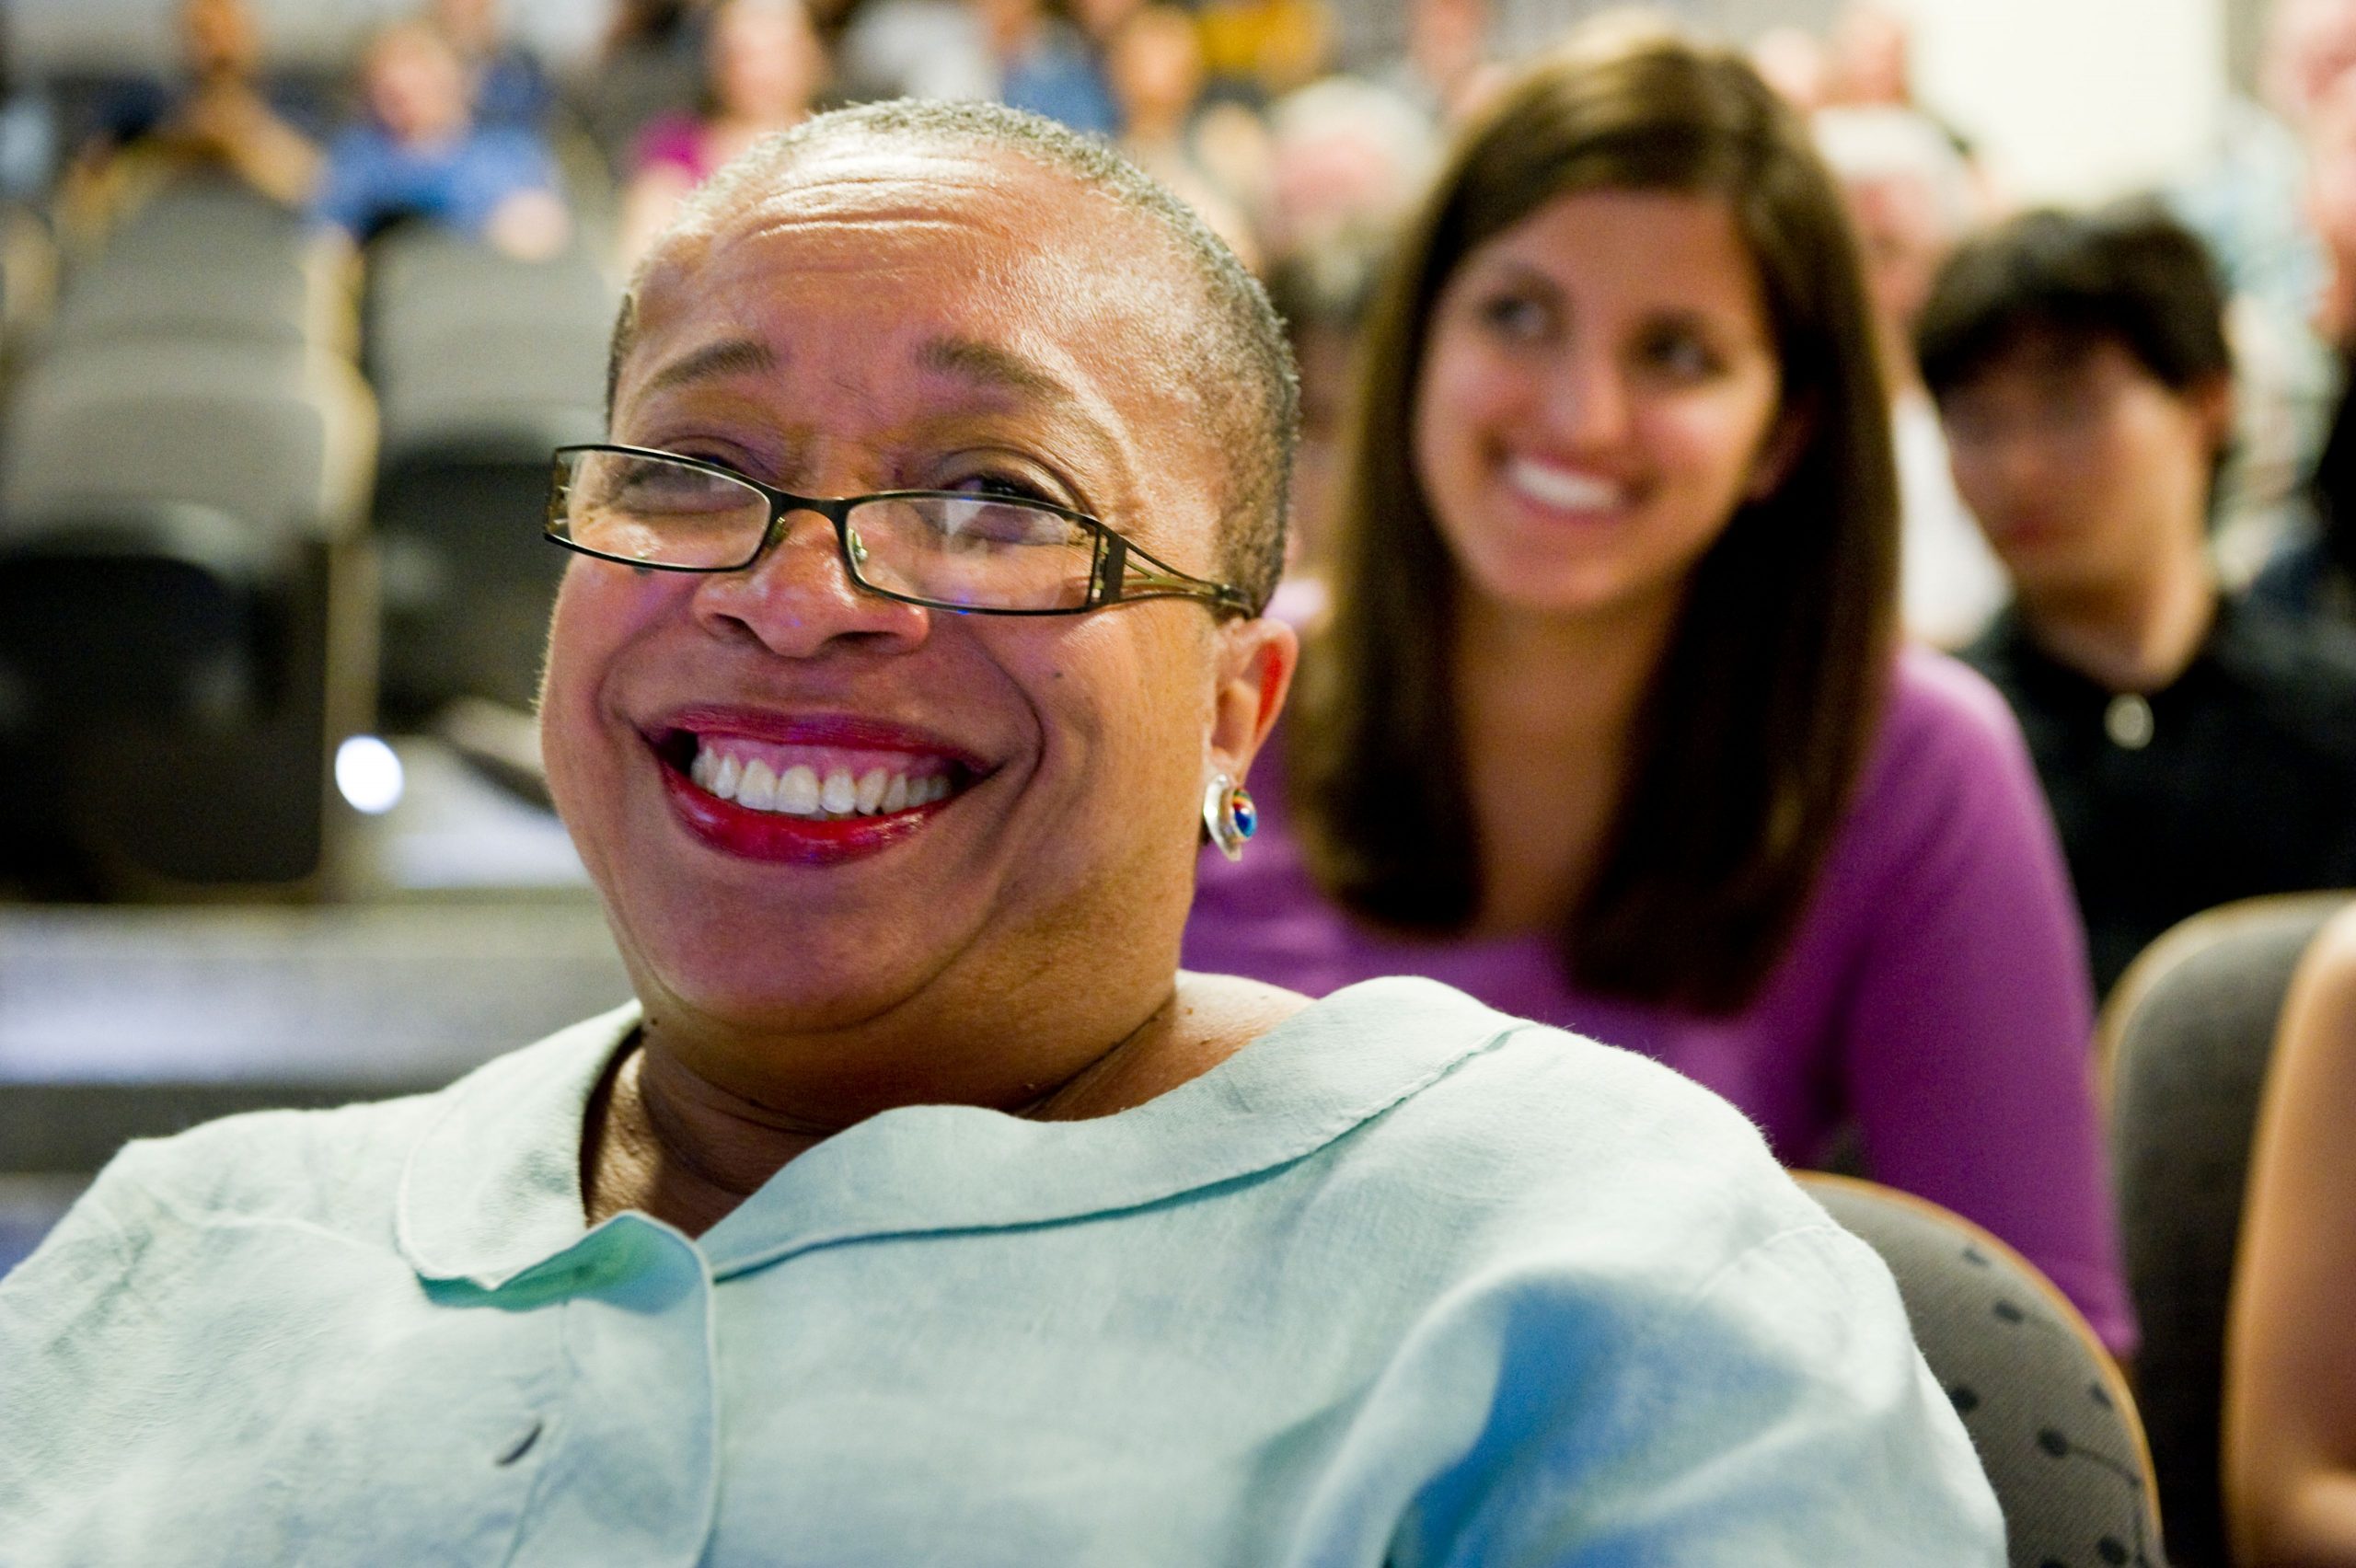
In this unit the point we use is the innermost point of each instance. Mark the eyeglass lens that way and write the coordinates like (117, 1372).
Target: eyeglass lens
(980, 551)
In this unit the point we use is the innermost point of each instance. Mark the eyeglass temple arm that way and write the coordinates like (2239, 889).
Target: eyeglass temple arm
(1118, 579)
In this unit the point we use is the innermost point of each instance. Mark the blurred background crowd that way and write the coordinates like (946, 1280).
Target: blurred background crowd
(295, 305)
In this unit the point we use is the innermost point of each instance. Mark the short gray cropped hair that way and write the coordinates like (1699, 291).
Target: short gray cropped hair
(1234, 359)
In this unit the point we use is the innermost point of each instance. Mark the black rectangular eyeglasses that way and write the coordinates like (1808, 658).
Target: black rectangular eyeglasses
(950, 549)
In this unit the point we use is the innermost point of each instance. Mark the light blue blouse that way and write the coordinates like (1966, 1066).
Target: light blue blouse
(1405, 1281)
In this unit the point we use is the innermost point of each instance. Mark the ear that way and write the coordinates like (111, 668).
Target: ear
(1786, 440)
(1256, 662)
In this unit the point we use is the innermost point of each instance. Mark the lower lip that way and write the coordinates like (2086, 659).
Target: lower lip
(782, 840)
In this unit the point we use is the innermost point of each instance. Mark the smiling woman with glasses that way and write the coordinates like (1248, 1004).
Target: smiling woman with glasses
(920, 1209)
(979, 551)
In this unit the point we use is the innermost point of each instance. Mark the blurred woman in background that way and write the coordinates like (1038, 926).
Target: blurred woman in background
(764, 66)
(1607, 724)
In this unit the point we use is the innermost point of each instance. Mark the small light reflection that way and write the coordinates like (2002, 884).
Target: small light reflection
(369, 773)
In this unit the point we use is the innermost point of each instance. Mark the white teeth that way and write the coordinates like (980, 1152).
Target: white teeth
(757, 789)
(797, 791)
(1556, 486)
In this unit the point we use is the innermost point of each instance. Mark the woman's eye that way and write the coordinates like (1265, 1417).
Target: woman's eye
(1516, 316)
(1011, 487)
(1681, 355)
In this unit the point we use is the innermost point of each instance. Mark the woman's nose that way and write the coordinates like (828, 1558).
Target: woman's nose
(1586, 401)
(799, 600)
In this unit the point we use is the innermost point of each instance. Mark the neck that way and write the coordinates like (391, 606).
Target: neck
(1547, 706)
(674, 1141)
(1571, 679)
(2129, 637)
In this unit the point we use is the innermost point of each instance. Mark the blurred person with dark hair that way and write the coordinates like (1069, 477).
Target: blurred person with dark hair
(764, 67)
(1911, 197)
(1609, 721)
(220, 119)
(1153, 61)
(649, 64)
(420, 155)
(2195, 749)
(511, 85)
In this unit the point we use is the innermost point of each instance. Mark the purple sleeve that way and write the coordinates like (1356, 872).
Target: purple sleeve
(1966, 1044)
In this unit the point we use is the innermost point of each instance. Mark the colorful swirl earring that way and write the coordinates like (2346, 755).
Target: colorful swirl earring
(1229, 815)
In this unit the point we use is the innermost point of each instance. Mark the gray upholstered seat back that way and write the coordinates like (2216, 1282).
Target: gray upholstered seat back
(2048, 1411)
(2185, 1038)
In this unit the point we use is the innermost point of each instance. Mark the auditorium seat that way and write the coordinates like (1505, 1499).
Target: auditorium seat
(185, 614)
(483, 364)
(2185, 1040)
(2050, 1414)
(204, 259)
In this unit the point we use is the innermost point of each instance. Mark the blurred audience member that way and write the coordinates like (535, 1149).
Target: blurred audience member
(2255, 205)
(1446, 68)
(1321, 296)
(926, 48)
(1155, 66)
(2290, 1428)
(651, 64)
(28, 135)
(219, 118)
(1793, 60)
(1608, 722)
(1348, 161)
(1912, 198)
(1102, 21)
(764, 67)
(1045, 65)
(1870, 57)
(420, 155)
(2330, 205)
(2195, 749)
(2314, 573)
(511, 85)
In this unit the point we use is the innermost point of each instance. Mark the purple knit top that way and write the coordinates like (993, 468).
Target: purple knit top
(1934, 996)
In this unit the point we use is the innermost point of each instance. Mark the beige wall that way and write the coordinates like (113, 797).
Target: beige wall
(2075, 100)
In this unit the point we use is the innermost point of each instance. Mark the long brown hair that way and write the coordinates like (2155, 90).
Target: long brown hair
(1747, 745)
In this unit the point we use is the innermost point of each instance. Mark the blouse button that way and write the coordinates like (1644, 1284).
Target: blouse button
(2128, 722)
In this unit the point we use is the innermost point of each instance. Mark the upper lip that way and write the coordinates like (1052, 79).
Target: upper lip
(788, 726)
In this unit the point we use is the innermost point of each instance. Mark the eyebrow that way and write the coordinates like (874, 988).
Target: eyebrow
(730, 356)
(987, 365)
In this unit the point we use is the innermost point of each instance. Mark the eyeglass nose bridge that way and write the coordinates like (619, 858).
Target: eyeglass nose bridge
(848, 549)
